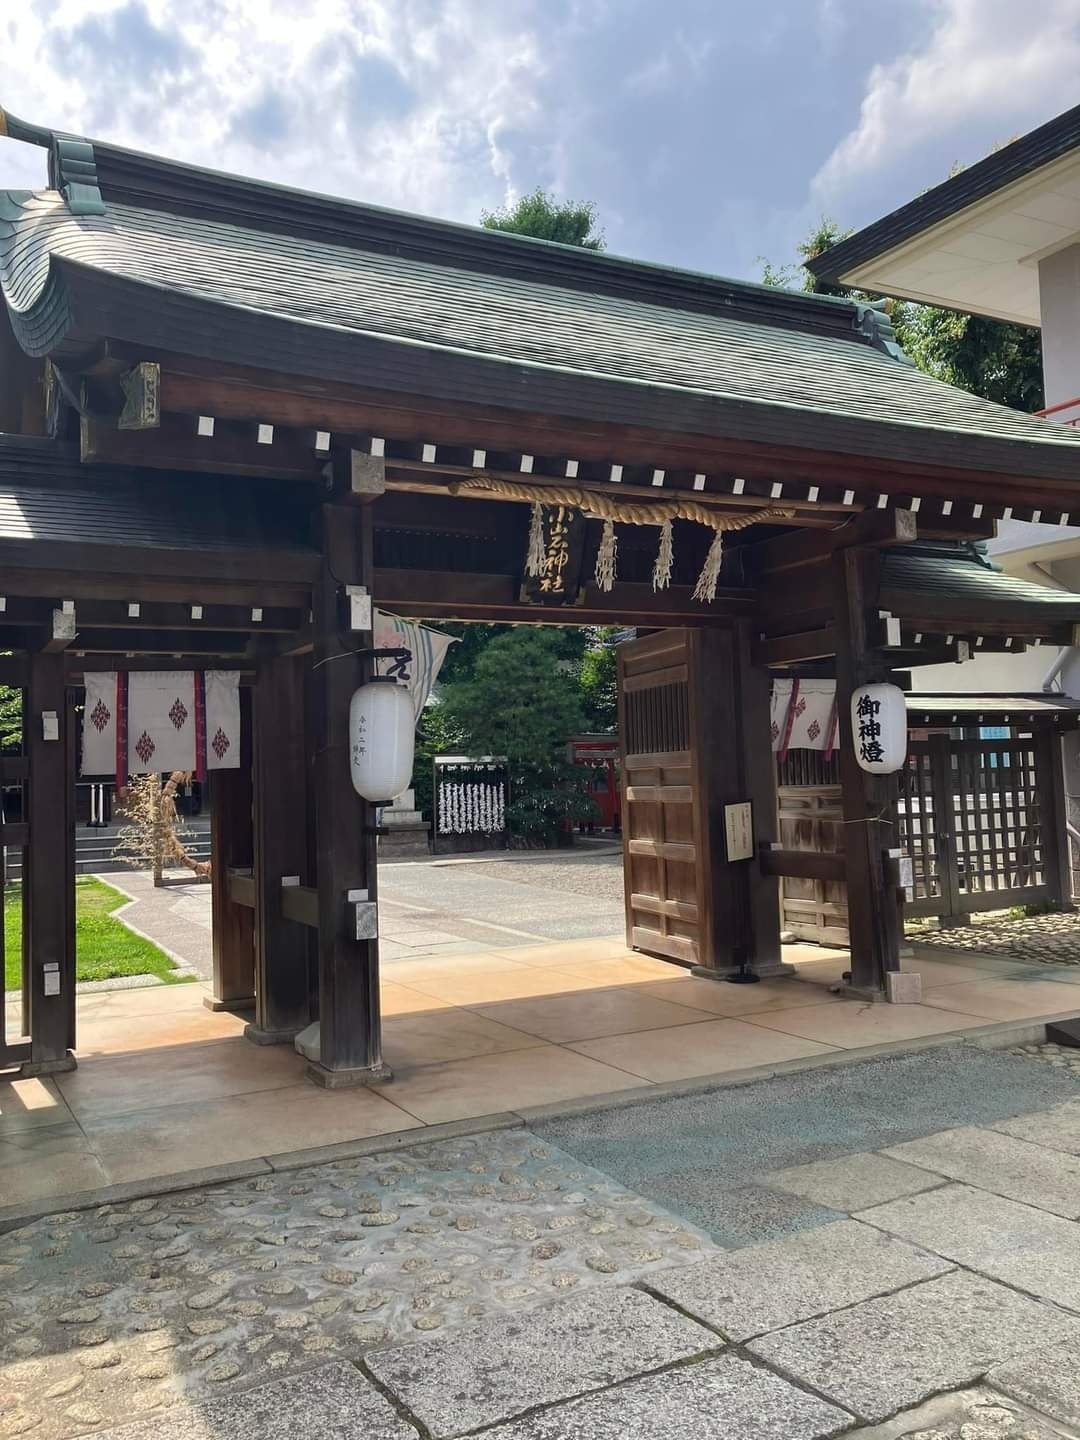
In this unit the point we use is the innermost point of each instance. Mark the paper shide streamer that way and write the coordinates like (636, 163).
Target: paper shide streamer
(661, 513)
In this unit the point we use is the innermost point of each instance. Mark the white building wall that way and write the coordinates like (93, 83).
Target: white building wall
(1059, 312)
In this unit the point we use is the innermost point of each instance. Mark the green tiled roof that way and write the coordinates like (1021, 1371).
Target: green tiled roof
(524, 322)
(824, 381)
(956, 579)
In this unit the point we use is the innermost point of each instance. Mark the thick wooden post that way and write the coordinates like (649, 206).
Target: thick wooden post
(232, 849)
(49, 891)
(1055, 837)
(869, 802)
(759, 786)
(350, 1027)
(282, 947)
(733, 763)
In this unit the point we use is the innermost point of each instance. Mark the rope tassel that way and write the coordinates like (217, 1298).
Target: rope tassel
(665, 556)
(606, 556)
(534, 562)
(707, 581)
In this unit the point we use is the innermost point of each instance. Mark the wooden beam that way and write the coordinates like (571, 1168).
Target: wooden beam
(174, 445)
(802, 864)
(231, 643)
(195, 567)
(464, 595)
(300, 904)
(197, 386)
(796, 648)
(79, 665)
(438, 478)
(31, 581)
(873, 528)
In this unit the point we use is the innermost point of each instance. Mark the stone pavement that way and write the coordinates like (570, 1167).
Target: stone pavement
(176, 917)
(1052, 939)
(427, 907)
(505, 1284)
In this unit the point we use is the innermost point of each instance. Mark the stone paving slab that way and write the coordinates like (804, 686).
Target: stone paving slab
(722, 1399)
(148, 1302)
(502, 1366)
(1003, 1164)
(853, 1182)
(769, 1286)
(1014, 1243)
(1057, 1128)
(976, 1414)
(898, 1350)
(332, 1402)
(690, 1151)
(1048, 1381)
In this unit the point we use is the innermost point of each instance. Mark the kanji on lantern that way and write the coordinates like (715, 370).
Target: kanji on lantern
(879, 728)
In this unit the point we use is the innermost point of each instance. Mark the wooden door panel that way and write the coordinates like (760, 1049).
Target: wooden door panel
(661, 822)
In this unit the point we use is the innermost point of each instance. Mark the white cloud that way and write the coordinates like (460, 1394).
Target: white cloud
(401, 102)
(984, 63)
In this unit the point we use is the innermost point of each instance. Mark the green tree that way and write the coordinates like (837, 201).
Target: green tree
(599, 680)
(991, 358)
(541, 215)
(523, 700)
(437, 734)
(10, 719)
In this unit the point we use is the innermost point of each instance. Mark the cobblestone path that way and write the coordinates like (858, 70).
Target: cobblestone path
(134, 1306)
(1035, 940)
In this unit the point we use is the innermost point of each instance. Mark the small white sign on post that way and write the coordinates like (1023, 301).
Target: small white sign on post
(739, 830)
(907, 876)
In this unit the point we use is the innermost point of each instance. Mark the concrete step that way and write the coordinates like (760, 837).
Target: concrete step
(95, 850)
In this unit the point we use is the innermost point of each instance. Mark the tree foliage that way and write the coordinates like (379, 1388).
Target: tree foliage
(523, 699)
(599, 680)
(10, 720)
(519, 701)
(993, 359)
(541, 215)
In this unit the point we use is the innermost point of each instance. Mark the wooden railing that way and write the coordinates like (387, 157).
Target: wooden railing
(1056, 412)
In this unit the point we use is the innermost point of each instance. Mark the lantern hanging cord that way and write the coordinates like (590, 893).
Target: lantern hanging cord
(629, 512)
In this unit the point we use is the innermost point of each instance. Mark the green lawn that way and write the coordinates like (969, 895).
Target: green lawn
(104, 947)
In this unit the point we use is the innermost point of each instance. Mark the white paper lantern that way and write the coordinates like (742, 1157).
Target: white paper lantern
(382, 735)
(879, 728)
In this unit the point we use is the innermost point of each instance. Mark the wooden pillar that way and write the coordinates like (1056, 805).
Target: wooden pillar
(869, 802)
(49, 889)
(282, 1004)
(350, 1027)
(733, 764)
(1054, 805)
(759, 784)
(232, 849)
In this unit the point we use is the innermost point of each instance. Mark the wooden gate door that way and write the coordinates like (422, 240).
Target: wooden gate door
(14, 837)
(694, 732)
(661, 814)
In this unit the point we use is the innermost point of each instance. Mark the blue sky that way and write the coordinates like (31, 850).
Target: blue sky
(708, 132)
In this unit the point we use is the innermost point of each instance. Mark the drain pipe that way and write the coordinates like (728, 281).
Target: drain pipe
(1056, 668)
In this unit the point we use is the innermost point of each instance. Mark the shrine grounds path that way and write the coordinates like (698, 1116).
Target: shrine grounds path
(884, 1248)
(428, 907)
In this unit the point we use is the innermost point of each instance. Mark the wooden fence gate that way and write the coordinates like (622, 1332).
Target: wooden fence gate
(984, 822)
